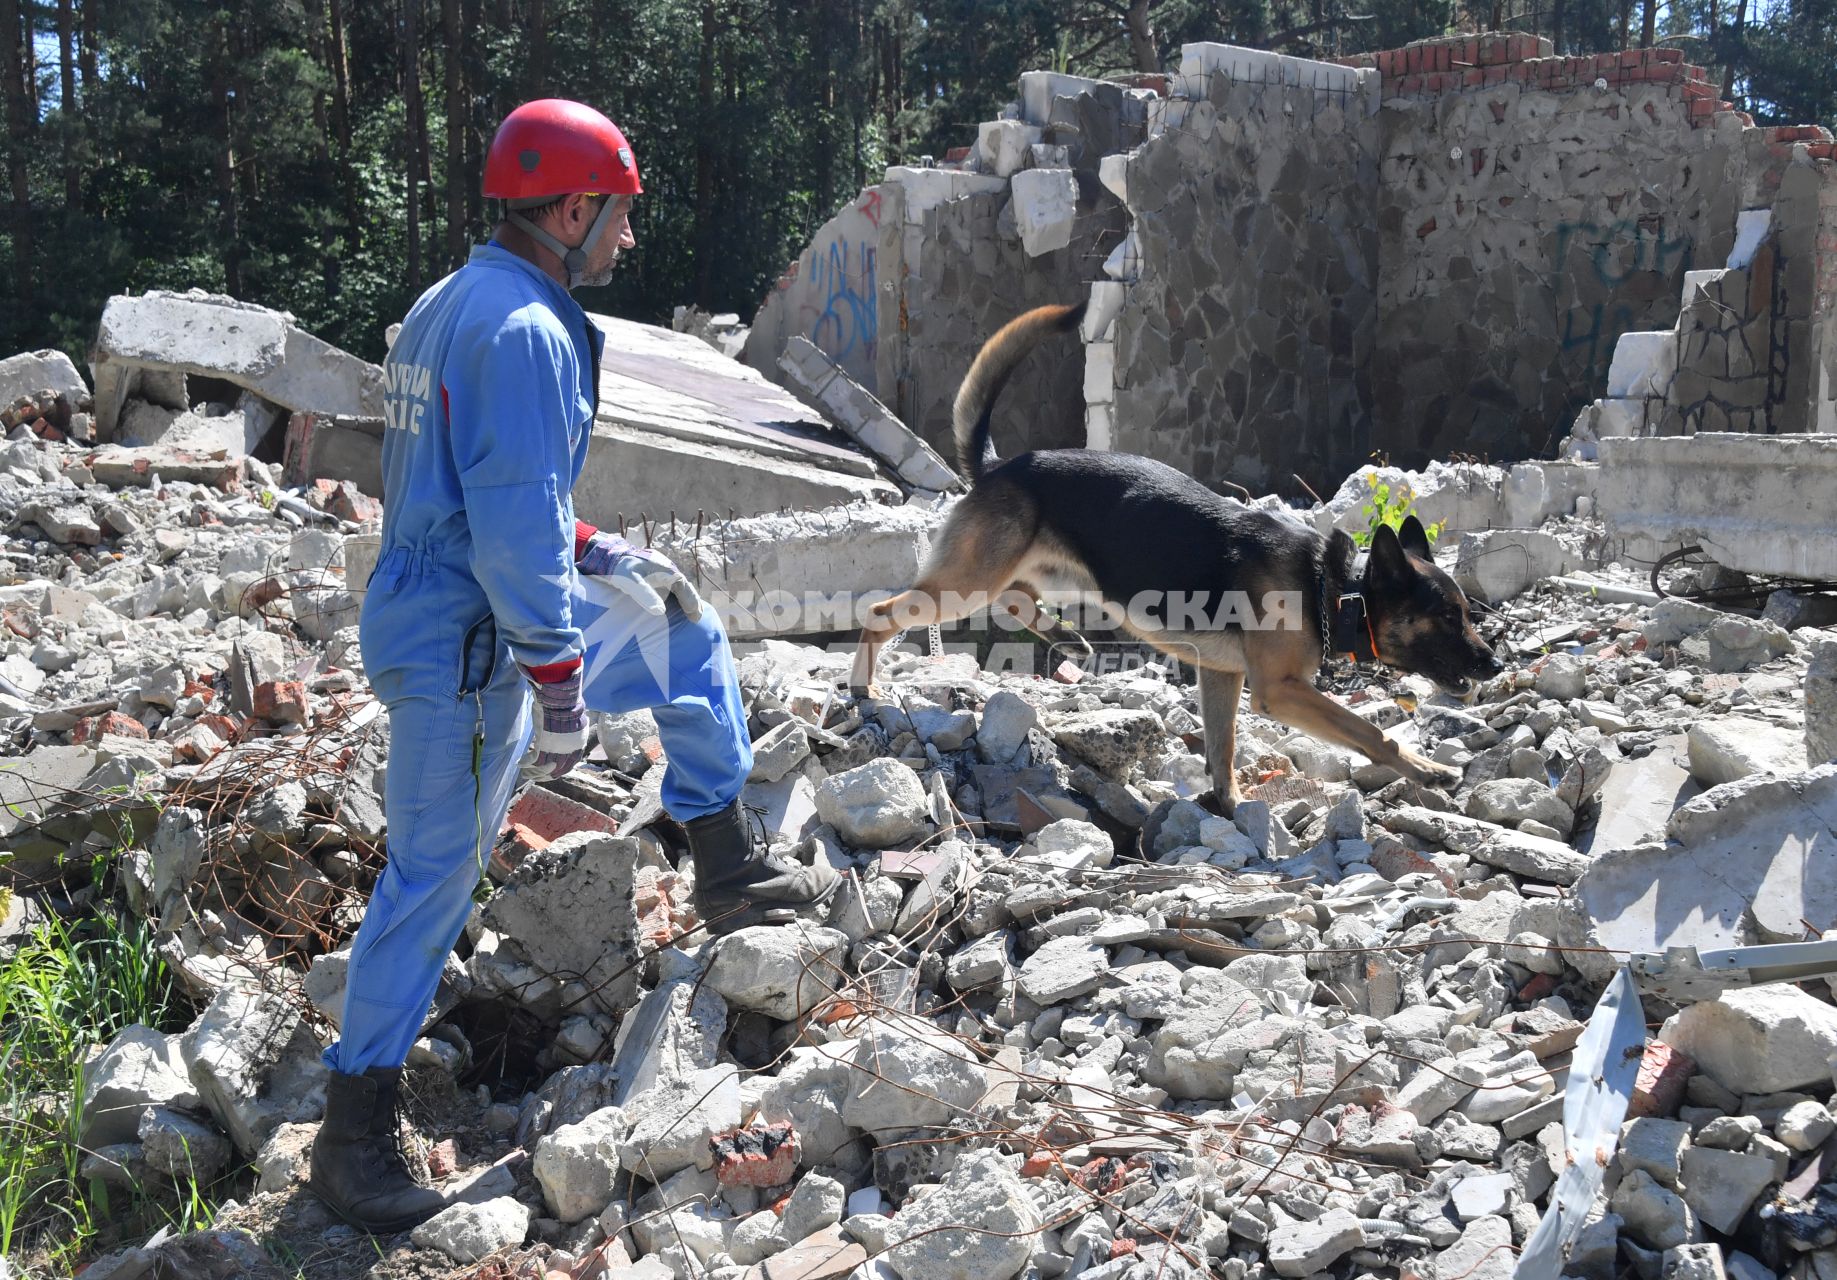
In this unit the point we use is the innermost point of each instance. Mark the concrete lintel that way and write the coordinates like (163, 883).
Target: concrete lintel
(1755, 504)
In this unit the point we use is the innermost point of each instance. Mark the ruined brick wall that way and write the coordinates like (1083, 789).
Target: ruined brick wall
(1243, 346)
(1531, 210)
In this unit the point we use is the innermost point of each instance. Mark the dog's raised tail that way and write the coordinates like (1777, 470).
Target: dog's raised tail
(997, 360)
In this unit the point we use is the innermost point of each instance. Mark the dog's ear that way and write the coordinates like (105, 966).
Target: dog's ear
(1389, 563)
(1415, 539)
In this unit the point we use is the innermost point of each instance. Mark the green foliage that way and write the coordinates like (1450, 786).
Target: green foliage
(68, 990)
(1390, 505)
(241, 148)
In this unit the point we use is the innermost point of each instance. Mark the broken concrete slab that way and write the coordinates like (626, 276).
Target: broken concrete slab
(861, 415)
(583, 880)
(1498, 564)
(1639, 797)
(254, 347)
(1736, 747)
(1748, 862)
(1764, 1039)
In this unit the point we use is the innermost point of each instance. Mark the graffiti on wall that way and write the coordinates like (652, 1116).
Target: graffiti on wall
(1614, 255)
(843, 278)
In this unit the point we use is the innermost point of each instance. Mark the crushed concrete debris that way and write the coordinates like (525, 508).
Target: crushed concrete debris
(1061, 1020)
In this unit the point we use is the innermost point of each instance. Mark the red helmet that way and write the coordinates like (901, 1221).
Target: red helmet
(554, 147)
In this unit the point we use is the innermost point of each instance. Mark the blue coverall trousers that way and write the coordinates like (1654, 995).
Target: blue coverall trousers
(445, 809)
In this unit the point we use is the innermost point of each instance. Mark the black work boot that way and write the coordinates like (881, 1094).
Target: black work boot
(739, 883)
(358, 1166)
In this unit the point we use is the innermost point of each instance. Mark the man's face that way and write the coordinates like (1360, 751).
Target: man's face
(615, 239)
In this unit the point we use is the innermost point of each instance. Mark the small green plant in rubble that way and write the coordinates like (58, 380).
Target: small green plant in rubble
(1389, 504)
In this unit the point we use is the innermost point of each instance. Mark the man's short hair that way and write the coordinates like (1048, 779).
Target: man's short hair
(536, 207)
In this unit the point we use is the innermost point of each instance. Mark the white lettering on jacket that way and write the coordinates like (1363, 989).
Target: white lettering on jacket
(406, 390)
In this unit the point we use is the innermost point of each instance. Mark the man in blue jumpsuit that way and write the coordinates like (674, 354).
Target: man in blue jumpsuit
(489, 596)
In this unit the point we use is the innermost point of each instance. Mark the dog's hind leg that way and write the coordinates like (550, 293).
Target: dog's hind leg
(1219, 692)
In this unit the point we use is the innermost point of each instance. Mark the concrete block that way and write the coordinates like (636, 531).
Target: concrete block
(1001, 145)
(30, 372)
(1113, 171)
(1751, 227)
(320, 447)
(926, 189)
(1045, 208)
(1756, 504)
(1644, 364)
(1100, 313)
(1100, 373)
(1620, 417)
(1201, 60)
(1039, 88)
(1497, 564)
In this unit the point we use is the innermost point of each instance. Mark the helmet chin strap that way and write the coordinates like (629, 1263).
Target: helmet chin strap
(573, 261)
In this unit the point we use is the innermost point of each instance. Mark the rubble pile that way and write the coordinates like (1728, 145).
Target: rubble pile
(1062, 1019)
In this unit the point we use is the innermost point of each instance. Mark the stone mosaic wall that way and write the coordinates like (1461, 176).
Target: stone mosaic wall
(1243, 346)
(1525, 226)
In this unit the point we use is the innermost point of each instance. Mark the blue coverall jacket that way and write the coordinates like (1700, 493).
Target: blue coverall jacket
(490, 391)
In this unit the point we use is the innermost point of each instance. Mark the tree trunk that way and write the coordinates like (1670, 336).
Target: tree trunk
(17, 107)
(456, 230)
(411, 98)
(475, 76)
(87, 60)
(223, 110)
(1556, 26)
(1728, 71)
(703, 237)
(69, 111)
(1142, 38)
(1626, 11)
(1648, 24)
(341, 124)
(538, 50)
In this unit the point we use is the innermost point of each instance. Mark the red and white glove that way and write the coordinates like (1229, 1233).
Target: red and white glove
(560, 740)
(644, 575)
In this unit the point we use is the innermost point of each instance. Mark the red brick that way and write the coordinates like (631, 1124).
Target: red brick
(1668, 55)
(281, 701)
(955, 154)
(550, 816)
(1473, 77)
(1692, 89)
(765, 1156)
(224, 727)
(89, 728)
(1702, 109)
(1659, 1089)
(443, 1158)
(1495, 75)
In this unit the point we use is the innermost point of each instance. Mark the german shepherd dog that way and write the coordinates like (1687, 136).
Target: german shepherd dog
(1133, 529)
